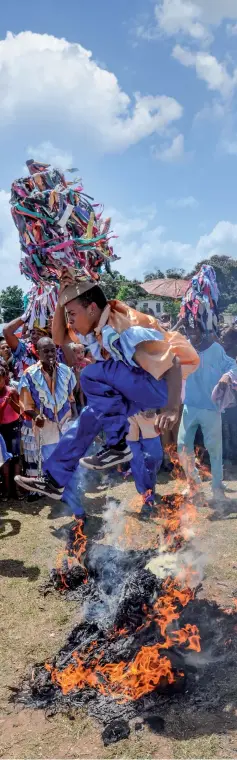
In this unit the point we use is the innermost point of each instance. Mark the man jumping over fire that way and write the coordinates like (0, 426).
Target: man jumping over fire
(138, 366)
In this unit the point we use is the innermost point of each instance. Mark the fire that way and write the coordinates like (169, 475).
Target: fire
(142, 675)
(150, 666)
(77, 551)
(189, 634)
(79, 544)
(127, 680)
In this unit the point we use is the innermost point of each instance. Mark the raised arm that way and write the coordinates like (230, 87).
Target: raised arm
(9, 332)
(68, 353)
(59, 327)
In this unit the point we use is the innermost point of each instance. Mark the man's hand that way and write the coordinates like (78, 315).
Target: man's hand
(166, 420)
(65, 279)
(225, 379)
(39, 421)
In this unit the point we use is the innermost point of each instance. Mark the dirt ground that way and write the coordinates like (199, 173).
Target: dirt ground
(34, 627)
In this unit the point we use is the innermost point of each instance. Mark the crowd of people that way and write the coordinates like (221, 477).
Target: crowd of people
(103, 369)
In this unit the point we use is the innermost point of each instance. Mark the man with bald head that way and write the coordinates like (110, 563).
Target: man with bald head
(46, 396)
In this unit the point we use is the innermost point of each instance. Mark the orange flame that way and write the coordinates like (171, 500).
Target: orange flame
(78, 549)
(131, 680)
(127, 680)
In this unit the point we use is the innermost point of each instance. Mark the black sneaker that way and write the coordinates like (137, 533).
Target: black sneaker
(42, 485)
(148, 511)
(106, 458)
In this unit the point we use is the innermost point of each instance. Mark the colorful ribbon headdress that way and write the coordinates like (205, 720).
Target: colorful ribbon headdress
(59, 226)
(199, 305)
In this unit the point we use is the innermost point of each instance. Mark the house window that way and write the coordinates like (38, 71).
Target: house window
(158, 308)
(145, 306)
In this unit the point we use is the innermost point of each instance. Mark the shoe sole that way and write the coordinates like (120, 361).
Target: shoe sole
(55, 497)
(108, 466)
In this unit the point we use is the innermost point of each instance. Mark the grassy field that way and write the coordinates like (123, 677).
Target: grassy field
(33, 628)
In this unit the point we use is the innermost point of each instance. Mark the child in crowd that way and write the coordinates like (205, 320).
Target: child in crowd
(75, 357)
(9, 428)
(147, 454)
(138, 368)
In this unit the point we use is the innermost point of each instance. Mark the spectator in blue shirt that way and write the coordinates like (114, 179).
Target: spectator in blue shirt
(199, 408)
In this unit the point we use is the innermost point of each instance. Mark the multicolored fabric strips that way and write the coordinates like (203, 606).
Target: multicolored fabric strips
(199, 304)
(40, 304)
(59, 226)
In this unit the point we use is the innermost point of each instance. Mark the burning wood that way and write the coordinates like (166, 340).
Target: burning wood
(132, 642)
(138, 645)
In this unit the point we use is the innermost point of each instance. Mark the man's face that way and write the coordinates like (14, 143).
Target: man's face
(47, 355)
(195, 336)
(5, 351)
(82, 318)
(35, 335)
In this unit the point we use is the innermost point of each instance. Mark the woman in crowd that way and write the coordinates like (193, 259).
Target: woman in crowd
(9, 430)
(25, 354)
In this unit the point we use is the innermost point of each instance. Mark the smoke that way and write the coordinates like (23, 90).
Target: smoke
(186, 563)
(107, 567)
(114, 523)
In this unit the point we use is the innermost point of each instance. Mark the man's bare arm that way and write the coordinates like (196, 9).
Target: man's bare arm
(9, 332)
(59, 327)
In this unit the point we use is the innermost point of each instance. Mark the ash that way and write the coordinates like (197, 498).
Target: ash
(118, 599)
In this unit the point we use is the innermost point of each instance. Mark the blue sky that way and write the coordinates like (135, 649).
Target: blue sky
(141, 96)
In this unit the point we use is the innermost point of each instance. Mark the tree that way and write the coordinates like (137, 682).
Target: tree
(176, 274)
(130, 290)
(172, 307)
(110, 284)
(232, 309)
(156, 275)
(117, 286)
(11, 303)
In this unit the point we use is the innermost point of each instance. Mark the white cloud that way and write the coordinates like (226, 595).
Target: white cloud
(193, 18)
(231, 30)
(178, 16)
(214, 111)
(43, 77)
(222, 239)
(153, 248)
(9, 246)
(187, 202)
(142, 244)
(172, 152)
(208, 69)
(47, 153)
(216, 12)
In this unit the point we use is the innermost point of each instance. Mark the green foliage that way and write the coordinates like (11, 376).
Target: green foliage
(232, 309)
(175, 274)
(117, 286)
(156, 275)
(172, 307)
(11, 303)
(110, 284)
